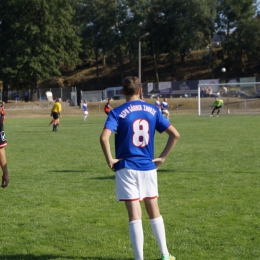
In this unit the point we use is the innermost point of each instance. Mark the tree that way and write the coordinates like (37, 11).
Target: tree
(36, 36)
(179, 26)
(95, 29)
(237, 19)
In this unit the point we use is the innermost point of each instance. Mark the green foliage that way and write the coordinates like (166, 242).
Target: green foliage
(238, 20)
(60, 203)
(37, 37)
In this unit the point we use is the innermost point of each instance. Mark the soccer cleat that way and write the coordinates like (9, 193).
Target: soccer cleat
(217, 115)
(211, 115)
(168, 257)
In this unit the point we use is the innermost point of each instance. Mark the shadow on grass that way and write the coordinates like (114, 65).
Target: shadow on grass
(65, 171)
(50, 257)
(165, 170)
(33, 131)
(105, 178)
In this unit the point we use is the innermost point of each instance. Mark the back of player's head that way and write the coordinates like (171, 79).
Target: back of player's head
(131, 85)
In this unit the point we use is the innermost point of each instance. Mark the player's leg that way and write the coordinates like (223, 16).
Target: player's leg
(55, 124)
(128, 191)
(56, 119)
(135, 227)
(157, 225)
(166, 113)
(218, 110)
(149, 190)
(85, 115)
(52, 121)
(213, 111)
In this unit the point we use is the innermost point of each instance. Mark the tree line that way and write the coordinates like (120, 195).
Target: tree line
(37, 37)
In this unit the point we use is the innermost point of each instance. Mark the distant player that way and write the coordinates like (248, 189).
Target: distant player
(158, 103)
(108, 107)
(224, 91)
(3, 111)
(3, 162)
(56, 113)
(165, 106)
(85, 110)
(134, 124)
(217, 105)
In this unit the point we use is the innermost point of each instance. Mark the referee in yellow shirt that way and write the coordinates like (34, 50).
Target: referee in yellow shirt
(56, 113)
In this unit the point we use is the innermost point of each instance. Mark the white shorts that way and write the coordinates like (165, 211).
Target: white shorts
(165, 111)
(85, 112)
(136, 185)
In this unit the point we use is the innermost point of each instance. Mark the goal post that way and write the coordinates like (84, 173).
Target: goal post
(238, 97)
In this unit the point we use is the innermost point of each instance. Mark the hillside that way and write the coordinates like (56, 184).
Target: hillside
(195, 66)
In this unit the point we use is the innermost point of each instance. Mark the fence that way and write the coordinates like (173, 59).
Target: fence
(66, 94)
(93, 96)
(42, 106)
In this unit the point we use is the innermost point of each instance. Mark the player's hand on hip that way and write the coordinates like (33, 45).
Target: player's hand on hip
(158, 162)
(112, 163)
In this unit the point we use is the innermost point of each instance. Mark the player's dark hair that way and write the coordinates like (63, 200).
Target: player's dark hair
(131, 85)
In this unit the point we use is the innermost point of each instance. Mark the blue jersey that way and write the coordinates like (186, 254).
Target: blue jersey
(85, 107)
(158, 104)
(134, 124)
(164, 105)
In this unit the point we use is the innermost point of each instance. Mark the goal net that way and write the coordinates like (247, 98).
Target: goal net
(238, 98)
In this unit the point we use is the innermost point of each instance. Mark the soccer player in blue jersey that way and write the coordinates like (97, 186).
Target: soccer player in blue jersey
(85, 110)
(134, 124)
(165, 106)
(158, 103)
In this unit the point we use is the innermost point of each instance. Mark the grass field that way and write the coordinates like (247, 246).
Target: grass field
(60, 203)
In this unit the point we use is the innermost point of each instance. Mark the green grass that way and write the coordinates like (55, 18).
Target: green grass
(60, 203)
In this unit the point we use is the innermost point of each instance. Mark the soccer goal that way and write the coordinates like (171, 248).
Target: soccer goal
(238, 98)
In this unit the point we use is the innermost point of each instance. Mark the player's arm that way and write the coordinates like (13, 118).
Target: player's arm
(173, 137)
(60, 109)
(3, 164)
(104, 141)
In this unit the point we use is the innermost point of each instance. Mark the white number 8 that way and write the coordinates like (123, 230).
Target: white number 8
(141, 135)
